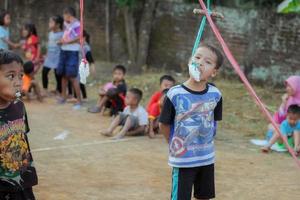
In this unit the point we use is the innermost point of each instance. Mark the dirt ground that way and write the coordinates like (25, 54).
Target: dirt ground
(88, 166)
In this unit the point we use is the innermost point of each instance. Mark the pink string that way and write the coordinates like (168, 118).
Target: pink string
(81, 30)
(248, 86)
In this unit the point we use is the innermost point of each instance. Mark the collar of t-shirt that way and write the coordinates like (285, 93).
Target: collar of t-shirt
(195, 92)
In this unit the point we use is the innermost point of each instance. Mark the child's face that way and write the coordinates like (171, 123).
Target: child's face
(67, 17)
(10, 81)
(7, 20)
(166, 84)
(118, 75)
(25, 32)
(207, 61)
(130, 99)
(293, 118)
(289, 90)
(51, 24)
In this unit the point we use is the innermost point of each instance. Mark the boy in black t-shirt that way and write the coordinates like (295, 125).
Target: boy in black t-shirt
(17, 172)
(112, 94)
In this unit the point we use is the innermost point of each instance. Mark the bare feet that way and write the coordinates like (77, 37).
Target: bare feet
(151, 134)
(107, 133)
(265, 149)
(118, 136)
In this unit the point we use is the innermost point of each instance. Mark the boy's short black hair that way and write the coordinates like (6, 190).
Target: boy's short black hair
(217, 52)
(137, 92)
(121, 68)
(166, 77)
(294, 109)
(3, 13)
(7, 57)
(70, 10)
(58, 20)
(28, 67)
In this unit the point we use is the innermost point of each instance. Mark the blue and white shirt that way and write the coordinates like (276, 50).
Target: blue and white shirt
(4, 35)
(53, 51)
(192, 116)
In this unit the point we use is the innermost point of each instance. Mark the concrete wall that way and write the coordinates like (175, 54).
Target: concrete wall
(265, 44)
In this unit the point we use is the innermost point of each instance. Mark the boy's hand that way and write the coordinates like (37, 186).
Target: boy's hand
(61, 42)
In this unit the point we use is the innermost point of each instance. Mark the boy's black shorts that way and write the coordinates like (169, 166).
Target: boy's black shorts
(202, 178)
(26, 194)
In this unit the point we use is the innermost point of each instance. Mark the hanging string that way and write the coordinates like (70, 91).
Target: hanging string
(244, 79)
(200, 31)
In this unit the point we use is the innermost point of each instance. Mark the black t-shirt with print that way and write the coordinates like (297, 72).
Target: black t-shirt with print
(16, 164)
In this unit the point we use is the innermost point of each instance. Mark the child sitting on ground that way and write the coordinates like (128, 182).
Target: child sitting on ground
(29, 82)
(134, 118)
(154, 113)
(166, 82)
(291, 97)
(112, 94)
(17, 171)
(290, 129)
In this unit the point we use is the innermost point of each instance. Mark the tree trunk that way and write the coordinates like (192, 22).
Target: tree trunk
(130, 37)
(107, 30)
(144, 33)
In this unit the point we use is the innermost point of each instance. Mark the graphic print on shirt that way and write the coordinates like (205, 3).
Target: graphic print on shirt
(14, 151)
(194, 126)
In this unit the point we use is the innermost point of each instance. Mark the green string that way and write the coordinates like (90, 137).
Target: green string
(201, 30)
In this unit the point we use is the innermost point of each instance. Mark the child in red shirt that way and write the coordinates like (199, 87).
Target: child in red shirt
(31, 45)
(153, 108)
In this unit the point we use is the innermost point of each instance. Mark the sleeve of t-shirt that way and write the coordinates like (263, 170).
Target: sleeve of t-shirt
(168, 112)
(218, 110)
(298, 126)
(143, 117)
(89, 57)
(154, 98)
(122, 88)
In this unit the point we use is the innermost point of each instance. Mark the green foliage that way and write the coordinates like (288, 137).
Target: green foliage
(129, 3)
(291, 7)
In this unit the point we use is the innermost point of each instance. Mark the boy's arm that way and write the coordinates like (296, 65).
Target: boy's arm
(166, 118)
(165, 130)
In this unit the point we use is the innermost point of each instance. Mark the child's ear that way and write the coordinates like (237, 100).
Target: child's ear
(214, 73)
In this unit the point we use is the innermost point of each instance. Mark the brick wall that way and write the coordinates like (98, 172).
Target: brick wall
(265, 44)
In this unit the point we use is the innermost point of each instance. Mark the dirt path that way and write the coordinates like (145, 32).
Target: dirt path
(87, 166)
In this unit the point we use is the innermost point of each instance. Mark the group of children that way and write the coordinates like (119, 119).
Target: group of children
(63, 55)
(186, 114)
(125, 106)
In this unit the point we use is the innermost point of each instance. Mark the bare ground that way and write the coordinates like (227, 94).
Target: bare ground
(89, 166)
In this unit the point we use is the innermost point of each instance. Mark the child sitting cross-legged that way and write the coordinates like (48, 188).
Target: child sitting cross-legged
(290, 129)
(134, 118)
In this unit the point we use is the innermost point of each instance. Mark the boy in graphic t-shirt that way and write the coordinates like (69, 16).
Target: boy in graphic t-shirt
(17, 172)
(188, 121)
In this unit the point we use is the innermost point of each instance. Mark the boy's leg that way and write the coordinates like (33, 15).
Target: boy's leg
(204, 187)
(28, 194)
(64, 83)
(182, 183)
(151, 128)
(129, 123)
(45, 73)
(83, 91)
(114, 124)
(58, 81)
(76, 87)
(37, 90)
(272, 141)
(296, 136)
